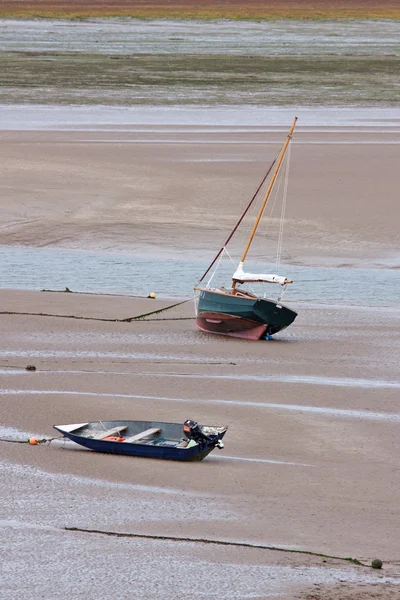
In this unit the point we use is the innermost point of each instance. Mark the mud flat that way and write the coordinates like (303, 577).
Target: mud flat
(130, 62)
(210, 9)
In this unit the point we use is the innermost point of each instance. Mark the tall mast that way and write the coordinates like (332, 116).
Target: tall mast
(267, 193)
(242, 216)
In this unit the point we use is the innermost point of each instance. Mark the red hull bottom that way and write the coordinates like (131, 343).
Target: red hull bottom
(230, 325)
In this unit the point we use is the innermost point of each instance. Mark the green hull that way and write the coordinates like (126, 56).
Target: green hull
(235, 315)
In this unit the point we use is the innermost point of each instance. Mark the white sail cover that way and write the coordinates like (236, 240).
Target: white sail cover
(240, 275)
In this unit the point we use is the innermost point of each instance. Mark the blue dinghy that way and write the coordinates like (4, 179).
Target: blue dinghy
(151, 439)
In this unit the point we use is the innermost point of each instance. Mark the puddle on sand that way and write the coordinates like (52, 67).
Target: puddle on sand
(262, 460)
(281, 378)
(87, 502)
(76, 354)
(352, 382)
(15, 524)
(11, 433)
(332, 412)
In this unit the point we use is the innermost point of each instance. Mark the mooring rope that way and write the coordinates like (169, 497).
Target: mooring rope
(127, 320)
(29, 440)
(153, 312)
(355, 561)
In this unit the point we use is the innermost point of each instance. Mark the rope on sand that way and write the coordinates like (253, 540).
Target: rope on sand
(27, 368)
(127, 320)
(354, 561)
(154, 312)
(33, 441)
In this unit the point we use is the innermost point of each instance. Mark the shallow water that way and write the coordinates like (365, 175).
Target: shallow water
(264, 38)
(122, 118)
(138, 275)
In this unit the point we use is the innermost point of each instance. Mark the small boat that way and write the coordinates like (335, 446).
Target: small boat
(239, 312)
(151, 439)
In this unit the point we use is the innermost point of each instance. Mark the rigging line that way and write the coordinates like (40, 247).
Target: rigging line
(240, 218)
(283, 211)
(232, 261)
(267, 234)
(274, 200)
(281, 216)
(243, 233)
(275, 195)
(280, 295)
(216, 268)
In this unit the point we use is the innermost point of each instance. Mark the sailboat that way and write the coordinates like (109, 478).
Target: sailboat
(236, 311)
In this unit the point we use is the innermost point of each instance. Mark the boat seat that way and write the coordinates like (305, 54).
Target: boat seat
(143, 434)
(103, 434)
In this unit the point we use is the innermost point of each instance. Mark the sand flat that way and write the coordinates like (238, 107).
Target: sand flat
(105, 191)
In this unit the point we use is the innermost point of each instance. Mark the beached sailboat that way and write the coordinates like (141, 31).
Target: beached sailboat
(236, 311)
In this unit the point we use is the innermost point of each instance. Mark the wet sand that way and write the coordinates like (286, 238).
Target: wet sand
(147, 187)
(311, 461)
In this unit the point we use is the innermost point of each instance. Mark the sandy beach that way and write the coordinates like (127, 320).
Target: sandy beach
(311, 462)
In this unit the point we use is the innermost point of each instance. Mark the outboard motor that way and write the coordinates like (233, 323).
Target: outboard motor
(193, 431)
